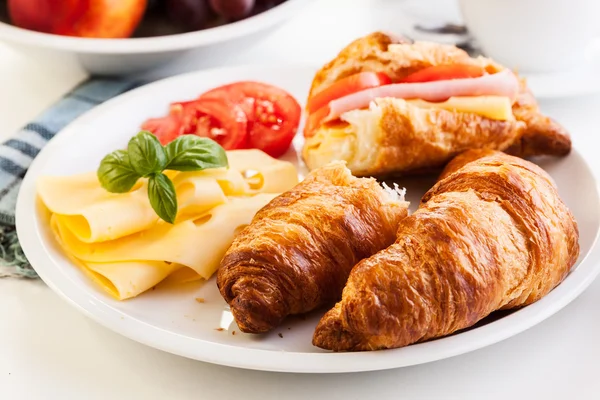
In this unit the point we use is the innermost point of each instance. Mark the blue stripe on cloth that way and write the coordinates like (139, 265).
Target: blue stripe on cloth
(9, 166)
(40, 130)
(15, 156)
(84, 98)
(6, 181)
(63, 113)
(23, 147)
(32, 138)
(99, 90)
(17, 153)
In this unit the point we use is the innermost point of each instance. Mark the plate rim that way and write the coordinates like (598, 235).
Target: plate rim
(34, 248)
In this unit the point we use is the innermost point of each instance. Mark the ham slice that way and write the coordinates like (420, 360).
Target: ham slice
(503, 83)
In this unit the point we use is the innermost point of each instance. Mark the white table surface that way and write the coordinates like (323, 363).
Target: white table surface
(50, 351)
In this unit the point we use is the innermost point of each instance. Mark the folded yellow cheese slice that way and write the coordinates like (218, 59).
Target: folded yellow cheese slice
(127, 279)
(94, 215)
(127, 266)
(263, 173)
(120, 243)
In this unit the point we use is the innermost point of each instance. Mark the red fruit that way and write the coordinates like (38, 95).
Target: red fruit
(83, 18)
(232, 9)
(192, 15)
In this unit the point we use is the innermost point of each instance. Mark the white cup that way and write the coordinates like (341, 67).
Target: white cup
(533, 35)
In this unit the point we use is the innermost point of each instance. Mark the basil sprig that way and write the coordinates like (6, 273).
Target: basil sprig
(145, 157)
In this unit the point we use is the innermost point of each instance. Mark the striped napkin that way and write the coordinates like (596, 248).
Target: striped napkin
(17, 154)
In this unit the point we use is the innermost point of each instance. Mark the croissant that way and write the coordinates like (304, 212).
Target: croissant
(396, 136)
(298, 251)
(491, 234)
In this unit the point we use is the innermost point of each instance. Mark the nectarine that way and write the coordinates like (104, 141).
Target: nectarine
(84, 18)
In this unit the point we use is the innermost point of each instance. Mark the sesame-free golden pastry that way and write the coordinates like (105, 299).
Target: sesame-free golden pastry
(298, 251)
(492, 234)
(399, 129)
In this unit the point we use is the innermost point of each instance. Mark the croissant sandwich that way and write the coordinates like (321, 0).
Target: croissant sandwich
(387, 106)
(492, 234)
(298, 251)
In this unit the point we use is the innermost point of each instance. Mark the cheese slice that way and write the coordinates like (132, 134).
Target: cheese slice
(493, 107)
(127, 279)
(197, 194)
(198, 244)
(93, 214)
(120, 243)
(230, 180)
(182, 274)
(263, 173)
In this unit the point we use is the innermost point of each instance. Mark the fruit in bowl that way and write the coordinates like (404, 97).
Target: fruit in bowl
(191, 14)
(114, 19)
(168, 29)
(83, 18)
(234, 9)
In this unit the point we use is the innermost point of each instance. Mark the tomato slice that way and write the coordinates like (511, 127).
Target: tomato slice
(238, 115)
(187, 114)
(222, 121)
(345, 86)
(166, 129)
(445, 72)
(313, 122)
(231, 94)
(273, 114)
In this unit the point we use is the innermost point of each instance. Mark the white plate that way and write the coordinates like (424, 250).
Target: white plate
(170, 319)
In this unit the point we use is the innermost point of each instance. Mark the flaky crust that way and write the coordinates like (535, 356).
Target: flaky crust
(381, 52)
(493, 234)
(410, 138)
(298, 251)
(463, 159)
(542, 135)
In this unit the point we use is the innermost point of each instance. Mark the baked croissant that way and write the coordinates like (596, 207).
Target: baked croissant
(492, 234)
(298, 251)
(397, 136)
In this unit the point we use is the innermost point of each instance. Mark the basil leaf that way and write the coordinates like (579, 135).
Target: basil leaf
(146, 154)
(194, 153)
(116, 174)
(163, 197)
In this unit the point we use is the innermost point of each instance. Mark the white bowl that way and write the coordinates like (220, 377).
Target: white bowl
(124, 56)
